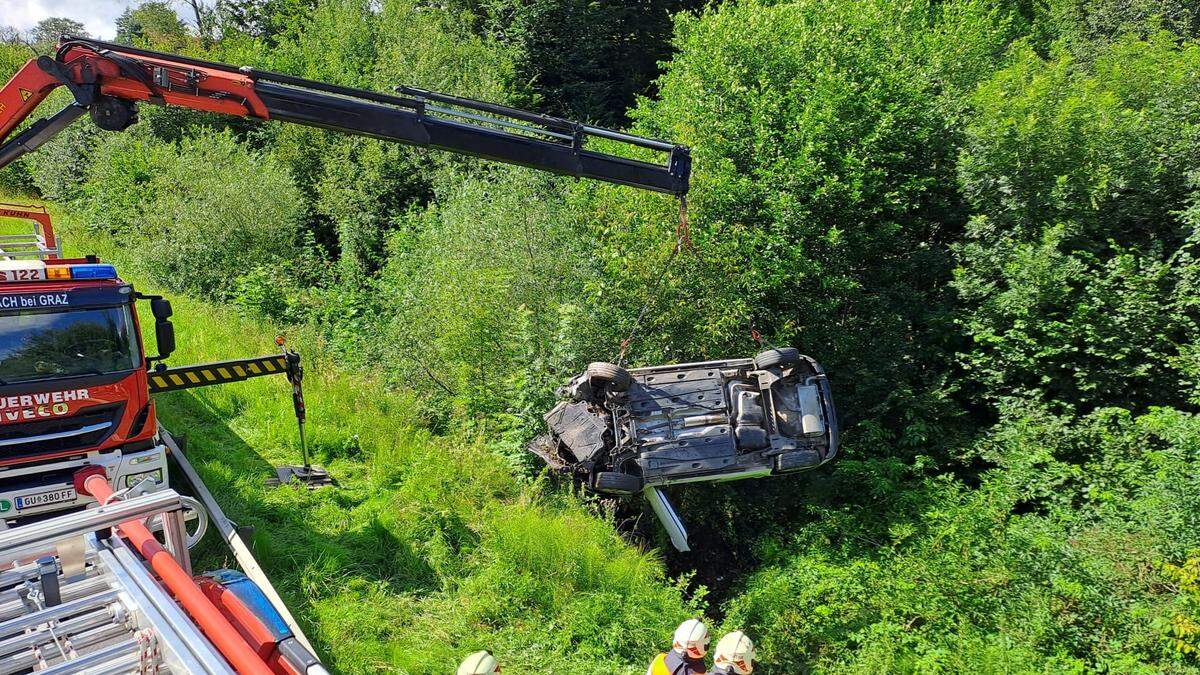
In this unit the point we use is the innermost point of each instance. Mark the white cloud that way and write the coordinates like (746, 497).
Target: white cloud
(98, 16)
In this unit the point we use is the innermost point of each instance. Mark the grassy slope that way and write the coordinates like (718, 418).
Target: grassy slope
(431, 548)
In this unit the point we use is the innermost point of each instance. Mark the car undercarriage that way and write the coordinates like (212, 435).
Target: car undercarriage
(622, 432)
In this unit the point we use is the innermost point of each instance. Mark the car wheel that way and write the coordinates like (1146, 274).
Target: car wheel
(780, 356)
(608, 376)
(611, 482)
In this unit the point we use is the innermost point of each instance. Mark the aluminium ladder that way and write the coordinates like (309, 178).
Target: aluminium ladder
(75, 598)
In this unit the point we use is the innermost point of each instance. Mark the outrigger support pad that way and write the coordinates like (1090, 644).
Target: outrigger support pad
(307, 474)
(312, 476)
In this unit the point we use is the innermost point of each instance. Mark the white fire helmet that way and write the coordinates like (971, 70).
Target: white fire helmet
(736, 650)
(691, 638)
(479, 663)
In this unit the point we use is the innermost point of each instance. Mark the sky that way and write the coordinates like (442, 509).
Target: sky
(98, 16)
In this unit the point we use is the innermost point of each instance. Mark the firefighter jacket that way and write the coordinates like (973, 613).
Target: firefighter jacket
(672, 663)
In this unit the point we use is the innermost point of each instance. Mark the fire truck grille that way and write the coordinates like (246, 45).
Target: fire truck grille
(82, 431)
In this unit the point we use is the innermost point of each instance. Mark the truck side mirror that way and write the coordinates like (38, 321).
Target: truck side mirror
(160, 308)
(164, 332)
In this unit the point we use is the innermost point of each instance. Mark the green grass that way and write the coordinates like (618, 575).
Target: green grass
(430, 548)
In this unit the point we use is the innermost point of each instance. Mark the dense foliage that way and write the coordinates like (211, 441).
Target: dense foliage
(430, 548)
(1077, 270)
(981, 215)
(586, 60)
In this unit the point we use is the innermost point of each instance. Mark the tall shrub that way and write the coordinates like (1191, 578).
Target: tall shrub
(823, 199)
(1076, 271)
(199, 214)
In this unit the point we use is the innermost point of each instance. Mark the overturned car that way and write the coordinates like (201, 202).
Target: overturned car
(628, 431)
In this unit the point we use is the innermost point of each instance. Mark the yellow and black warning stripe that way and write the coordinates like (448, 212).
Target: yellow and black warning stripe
(202, 375)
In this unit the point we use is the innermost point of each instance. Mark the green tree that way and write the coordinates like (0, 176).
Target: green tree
(1184, 633)
(49, 30)
(270, 20)
(204, 17)
(1087, 27)
(1077, 271)
(153, 23)
(823, 198)
(362, 188)
(582, 59)
(203, 212)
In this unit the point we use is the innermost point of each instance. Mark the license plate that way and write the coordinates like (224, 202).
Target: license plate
(44, 498)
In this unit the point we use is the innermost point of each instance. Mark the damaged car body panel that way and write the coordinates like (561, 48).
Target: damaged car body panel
(623, 432)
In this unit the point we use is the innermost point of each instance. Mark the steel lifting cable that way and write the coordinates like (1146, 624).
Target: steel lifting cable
(683, 240)
(759, 339)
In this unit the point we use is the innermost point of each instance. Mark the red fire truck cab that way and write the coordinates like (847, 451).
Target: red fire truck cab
(73, 381)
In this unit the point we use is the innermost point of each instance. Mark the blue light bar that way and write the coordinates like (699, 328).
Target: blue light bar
(93, 272)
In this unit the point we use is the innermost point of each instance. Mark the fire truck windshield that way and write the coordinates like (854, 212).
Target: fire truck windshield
(42, 344)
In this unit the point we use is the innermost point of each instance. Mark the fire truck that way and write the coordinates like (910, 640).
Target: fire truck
(73, 375)
(75, 378)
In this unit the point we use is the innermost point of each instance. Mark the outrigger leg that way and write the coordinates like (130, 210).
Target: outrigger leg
(312, 476)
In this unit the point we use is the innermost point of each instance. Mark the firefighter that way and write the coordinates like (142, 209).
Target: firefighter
(734, 655)
(686, 656)
(479, 663)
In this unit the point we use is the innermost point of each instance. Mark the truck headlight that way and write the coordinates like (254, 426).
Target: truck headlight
(135, 478)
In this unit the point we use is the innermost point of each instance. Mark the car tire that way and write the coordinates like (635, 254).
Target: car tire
(608, 376)
(611, 482)
(779, 356)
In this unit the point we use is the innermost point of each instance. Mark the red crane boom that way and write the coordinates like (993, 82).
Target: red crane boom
(108, 80)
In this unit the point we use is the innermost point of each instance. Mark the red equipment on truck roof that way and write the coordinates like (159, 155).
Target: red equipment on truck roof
(40, 244)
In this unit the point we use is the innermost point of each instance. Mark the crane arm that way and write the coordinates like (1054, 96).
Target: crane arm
(107, 80)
